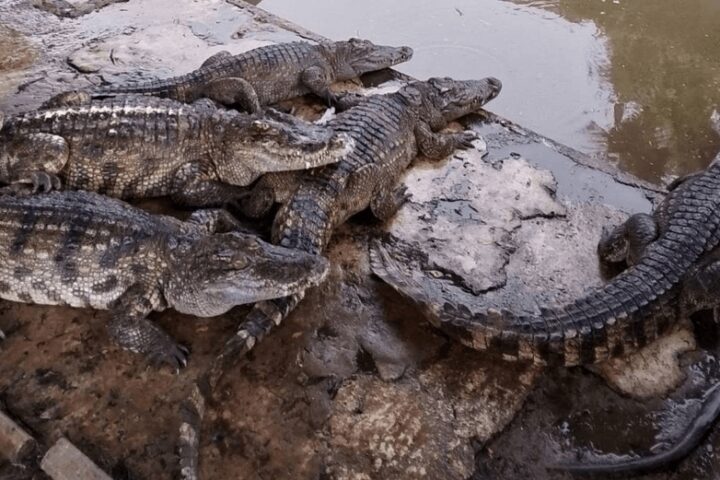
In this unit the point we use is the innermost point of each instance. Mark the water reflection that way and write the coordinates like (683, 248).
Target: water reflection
(665, 70)
(638, 80)
(551, 68)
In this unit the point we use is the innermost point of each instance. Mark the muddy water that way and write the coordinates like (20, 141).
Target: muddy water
(633, 81)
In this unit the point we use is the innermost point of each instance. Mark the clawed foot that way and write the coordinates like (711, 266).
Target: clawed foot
(331, 99)
(45, 182)
(171, 353)
(464, 140)
(402, 196)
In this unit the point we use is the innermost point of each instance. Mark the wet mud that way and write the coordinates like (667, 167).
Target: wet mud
(355, 384)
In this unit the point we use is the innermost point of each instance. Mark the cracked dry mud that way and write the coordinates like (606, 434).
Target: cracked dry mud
(355, 384)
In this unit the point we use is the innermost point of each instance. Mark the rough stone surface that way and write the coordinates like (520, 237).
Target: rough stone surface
(653, 371)
(355, 384)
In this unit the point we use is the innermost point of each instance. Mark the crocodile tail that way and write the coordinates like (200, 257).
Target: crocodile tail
(160, 88)
(295, 229)
(307, 220)
(184, 88)
(624, 314)
(259, 322)
(192, 412)
(690, 439)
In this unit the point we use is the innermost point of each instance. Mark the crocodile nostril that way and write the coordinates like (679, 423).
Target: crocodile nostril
(495, 84)
(406, 53)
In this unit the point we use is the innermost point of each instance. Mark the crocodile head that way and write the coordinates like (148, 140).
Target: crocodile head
(451, 99)
(215, 273)
(356, 57)
(278, 142)
(613, 245)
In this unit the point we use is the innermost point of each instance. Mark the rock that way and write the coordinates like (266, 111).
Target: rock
(398, 431)
(65, 462)
(653, 371)
(16, 444)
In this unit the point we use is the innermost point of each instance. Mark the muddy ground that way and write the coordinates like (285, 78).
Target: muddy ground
(355, 384)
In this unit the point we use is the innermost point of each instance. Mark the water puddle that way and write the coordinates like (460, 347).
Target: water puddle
(637, 81)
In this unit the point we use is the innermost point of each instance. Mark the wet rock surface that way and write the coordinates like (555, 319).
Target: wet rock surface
(355, 384)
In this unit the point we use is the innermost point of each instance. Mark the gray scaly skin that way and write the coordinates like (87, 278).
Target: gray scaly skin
(674, 271)
(700, 290)
(389, 131)
(86, 250)
(610, 319)
(137, 147)
(265, 75)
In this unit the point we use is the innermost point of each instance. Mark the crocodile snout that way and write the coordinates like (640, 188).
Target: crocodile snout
(495, 85)
(405, 54)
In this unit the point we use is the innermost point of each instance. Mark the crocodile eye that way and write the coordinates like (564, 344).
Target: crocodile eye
(231, 260)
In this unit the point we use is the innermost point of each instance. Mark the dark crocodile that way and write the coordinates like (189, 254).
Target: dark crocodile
(700, 290)
(86, 250)
(389, 131)
(674, 271)
(609, 320)
(137, 147)
(263, 76)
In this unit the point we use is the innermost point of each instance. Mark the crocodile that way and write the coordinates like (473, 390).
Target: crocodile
(86, 250)
(626, 244)
(263, 76)
(608, 320)
(133, 147)
(389, 131)
(673, 259)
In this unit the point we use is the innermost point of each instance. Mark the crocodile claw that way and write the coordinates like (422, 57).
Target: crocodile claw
(175, 355)
(464, 140)
(403, 195)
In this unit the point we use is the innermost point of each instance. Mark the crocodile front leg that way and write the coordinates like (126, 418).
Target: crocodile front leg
(439, 145)
(317, 80)
(388, 200)
(34, 159)
(215, 220)
(195, 186)
(257, 204)
(233, 91)
(130, 328)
